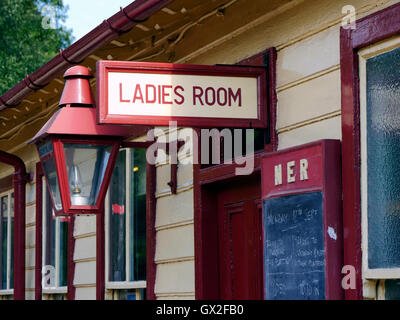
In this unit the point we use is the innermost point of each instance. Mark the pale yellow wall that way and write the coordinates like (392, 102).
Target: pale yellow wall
(306, 35)
(85, 257)
(174, 255)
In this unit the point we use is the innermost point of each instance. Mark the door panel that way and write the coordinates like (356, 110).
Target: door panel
(240, 243)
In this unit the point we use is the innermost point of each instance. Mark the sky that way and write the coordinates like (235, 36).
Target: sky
(85, 15)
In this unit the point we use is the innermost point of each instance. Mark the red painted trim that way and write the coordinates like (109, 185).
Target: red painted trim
(80, 121)
(258, 60)
(151, 267)
(146, 144)
(104, 67)
(20, 179)
(205, 241)
(19, 236)
(137, 144)
(100, 256)
(225, 171)
(71, 263)
(332, 184)
(38, 232)
(62, 175)
(273, 100)
(380, 25)
(205, 227)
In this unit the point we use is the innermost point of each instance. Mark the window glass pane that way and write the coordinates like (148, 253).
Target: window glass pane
(117, 220)
(383, 158)
(3, 237)
(130, 294)
(49, 167)
(63, 251)
(50, 227)
(45, 148)
(137, 198)
(86, 165)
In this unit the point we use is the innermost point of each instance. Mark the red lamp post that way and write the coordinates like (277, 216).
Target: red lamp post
(76, 153)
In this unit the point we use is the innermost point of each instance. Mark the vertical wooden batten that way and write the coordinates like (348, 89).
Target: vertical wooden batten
(38, 233)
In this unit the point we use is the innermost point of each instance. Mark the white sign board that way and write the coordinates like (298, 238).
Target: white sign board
(192, 95)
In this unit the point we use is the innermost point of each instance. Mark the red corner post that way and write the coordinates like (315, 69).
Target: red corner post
(20, 179)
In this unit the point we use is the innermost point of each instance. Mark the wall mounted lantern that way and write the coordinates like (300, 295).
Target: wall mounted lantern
(77, 154)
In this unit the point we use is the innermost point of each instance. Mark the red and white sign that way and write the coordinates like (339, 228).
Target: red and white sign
(306, 168)
(193, 95)
(293, 171)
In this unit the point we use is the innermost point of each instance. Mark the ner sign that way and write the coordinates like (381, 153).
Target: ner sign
(193, 95)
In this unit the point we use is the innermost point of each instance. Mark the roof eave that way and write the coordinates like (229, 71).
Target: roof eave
(108, 30)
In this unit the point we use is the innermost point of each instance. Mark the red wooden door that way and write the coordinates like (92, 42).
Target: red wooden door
(240, 240)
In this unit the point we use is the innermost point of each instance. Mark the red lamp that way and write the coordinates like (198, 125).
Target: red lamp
(76, 153)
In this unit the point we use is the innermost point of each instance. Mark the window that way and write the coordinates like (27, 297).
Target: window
(125, 223)
(7, 242)
(380, 158)
(54, 246)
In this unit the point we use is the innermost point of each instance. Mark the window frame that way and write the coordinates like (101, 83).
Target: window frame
(8, 291)
(57, 289)
(364, 54)
(375, 27)
(127, 284)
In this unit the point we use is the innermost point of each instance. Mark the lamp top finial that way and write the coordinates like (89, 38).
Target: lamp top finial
(77, 89)
(78, 72)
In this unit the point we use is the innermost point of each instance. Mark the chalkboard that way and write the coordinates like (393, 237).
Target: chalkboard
(294, 255)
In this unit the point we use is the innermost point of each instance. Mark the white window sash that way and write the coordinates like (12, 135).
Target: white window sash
(58, 289)
(6, 292)
(9, 255)
(107, 233)
(128, 217)
(112, 285)
(365, 54)
(57, 252)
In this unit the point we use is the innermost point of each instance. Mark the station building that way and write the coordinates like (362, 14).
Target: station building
(333, 73)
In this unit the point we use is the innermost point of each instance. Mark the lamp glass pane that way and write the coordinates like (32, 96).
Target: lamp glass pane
(86, 167)
(50, 171)
(49, 166)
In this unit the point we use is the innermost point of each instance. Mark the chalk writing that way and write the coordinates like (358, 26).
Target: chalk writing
(294, 247)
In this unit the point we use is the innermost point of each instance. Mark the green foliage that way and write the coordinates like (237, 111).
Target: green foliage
(30, 35)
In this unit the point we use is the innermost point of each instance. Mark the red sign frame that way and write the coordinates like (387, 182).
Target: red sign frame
(104, 67)
(324, 175)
